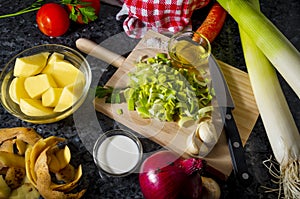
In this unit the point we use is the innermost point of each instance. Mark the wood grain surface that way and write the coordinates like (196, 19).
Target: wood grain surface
(169, 134)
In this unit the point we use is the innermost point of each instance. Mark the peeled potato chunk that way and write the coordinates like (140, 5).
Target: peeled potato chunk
(33, 107)
(17, 89)
(35, 86)
(45, 83)
(51, 96)
(30, 65)
(54, 57)
(69, 95)
(65, 73)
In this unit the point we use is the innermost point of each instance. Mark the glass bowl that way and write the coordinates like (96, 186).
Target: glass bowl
(117, 153)
(71, 55)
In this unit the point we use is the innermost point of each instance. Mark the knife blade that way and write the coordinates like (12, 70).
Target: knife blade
(225, 107)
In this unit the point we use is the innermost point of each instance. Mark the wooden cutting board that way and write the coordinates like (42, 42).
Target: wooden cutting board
(168, 134)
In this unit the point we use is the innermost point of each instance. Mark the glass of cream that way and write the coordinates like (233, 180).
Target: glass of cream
(117, 152)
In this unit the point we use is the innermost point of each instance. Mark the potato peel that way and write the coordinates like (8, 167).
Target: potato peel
(53, 162)
(58, 158)
(44, 180)
(36, 150)
(26, 191)
(28, 166)
(11, 160)
(22, 149)
(67, 174)
(27, 135)
(70, 185)
(7, 146)
(38, 147)
(14, 177)
(13, 145)
(21, 146)
(64, 157)
(4, 188)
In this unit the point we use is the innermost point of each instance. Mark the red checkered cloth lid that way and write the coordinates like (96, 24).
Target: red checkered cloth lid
(159, 15)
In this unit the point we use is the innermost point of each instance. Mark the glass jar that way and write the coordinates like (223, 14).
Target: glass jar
(117, 153)
(189, 49)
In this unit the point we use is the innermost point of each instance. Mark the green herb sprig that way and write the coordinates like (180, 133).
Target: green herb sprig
(80, 8)
(35, 6)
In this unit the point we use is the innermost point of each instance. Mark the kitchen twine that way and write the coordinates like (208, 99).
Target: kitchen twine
(160, 16)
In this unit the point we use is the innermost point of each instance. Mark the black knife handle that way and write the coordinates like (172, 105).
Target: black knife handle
(236, 150)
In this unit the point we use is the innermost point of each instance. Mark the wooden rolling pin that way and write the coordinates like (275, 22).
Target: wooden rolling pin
(91, 48)
(246, 112)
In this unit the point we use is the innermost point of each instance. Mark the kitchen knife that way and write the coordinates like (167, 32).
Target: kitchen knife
(225, 107)
(222, 94)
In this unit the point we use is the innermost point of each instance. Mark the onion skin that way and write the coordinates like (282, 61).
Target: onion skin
(192, 187)
(159, 185)
(166, 175)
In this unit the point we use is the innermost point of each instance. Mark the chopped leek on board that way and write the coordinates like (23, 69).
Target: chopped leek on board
(158, 90)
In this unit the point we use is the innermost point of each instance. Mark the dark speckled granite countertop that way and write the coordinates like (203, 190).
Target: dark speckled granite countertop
(19, 33)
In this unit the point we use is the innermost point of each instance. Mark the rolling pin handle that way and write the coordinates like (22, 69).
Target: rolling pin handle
(91, 48)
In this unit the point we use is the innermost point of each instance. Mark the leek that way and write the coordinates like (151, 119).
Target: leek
(160, 91)
(276, 47)
(278, 121)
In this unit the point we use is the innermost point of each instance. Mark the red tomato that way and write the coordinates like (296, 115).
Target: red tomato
(53, 20)
(81, 17)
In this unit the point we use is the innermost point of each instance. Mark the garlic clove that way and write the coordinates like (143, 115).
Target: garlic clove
(193, 144)
(207, 133)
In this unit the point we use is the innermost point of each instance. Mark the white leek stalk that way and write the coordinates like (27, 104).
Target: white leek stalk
(276, 47)
(278, 121)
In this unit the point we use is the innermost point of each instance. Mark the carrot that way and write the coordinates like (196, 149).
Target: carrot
(213, 23)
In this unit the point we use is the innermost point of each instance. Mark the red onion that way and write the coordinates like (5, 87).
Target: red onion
(166, 175)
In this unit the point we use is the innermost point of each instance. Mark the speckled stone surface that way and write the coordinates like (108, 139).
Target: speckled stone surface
(21, 32)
